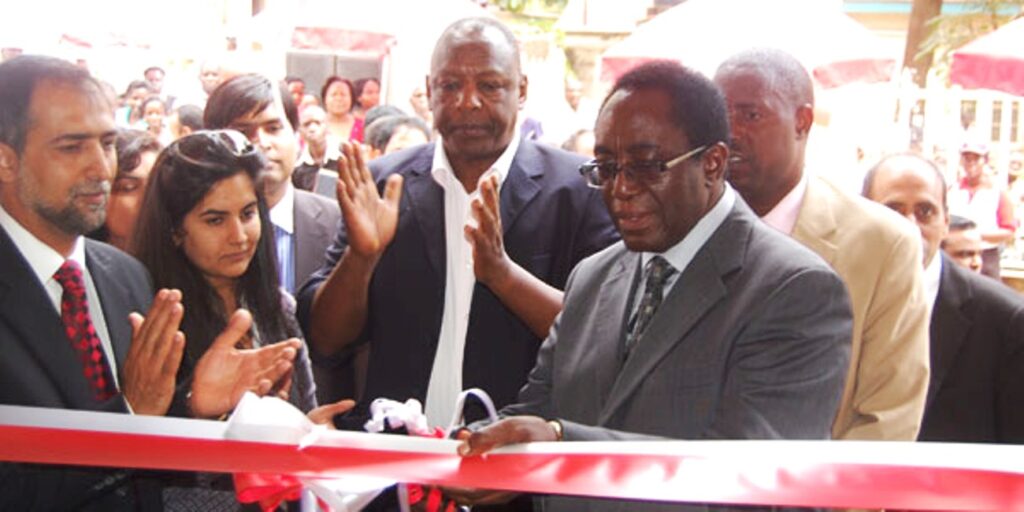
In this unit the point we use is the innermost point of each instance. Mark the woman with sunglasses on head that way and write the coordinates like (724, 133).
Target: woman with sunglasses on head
(201, 231)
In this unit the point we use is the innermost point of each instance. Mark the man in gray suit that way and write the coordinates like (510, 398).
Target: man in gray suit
(702, 324)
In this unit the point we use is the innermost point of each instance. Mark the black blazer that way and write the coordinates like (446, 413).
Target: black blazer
(551, 221)
(40, 368)
(976, 393)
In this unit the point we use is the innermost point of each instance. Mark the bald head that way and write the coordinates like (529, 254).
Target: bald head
(906, 160)
(912, 186)
(470, 30)
(771, 111)
(781, 71)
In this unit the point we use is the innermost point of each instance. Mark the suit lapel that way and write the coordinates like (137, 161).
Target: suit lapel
(816, 223)
(519, 187)
(611, 319)
(696, 292)
(424, 202)
(26, 308)
(307, 229)
(949, 326)
(113, 296)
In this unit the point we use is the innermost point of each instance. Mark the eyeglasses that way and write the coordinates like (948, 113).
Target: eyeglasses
(600, 173)
(200, 147)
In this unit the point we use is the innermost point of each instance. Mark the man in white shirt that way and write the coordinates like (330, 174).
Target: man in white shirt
(316, 154)
(454, 275)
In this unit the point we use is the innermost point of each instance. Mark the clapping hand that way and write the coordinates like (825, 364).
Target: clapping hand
(490, 263)
(224, 373)
(151, 367)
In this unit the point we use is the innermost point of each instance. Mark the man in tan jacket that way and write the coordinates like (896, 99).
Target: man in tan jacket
(771, 105)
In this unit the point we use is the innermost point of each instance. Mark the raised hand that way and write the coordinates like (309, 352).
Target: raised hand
(490, 263)
(224, 372)
(370, 220)
(154, 355)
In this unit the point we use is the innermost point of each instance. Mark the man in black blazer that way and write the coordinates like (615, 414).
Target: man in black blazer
(454, 275)
(977, 324)
(56, 162)
(303, 223)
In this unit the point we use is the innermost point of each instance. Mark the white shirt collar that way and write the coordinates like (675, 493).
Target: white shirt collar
(681, 254)
(932, 278)
(442, 169)
(783, 216)
(282, 214)
(43, 259)
(306, 158)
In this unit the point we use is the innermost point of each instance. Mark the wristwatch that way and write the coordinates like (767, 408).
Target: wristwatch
(557, 427)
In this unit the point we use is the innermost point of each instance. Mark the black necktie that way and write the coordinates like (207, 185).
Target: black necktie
(658, 271)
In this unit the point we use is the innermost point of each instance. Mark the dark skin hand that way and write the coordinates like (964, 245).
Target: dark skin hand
(151, 366)
(370, 220)
(339, 308)
(490, 263)
(532, 300)
(514, 430)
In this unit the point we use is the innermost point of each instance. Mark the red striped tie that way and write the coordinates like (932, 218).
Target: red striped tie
(74, 312)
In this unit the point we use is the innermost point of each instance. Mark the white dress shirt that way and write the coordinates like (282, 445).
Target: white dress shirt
(45, 262)
(681, 254)
(446, 373)
(932, 278)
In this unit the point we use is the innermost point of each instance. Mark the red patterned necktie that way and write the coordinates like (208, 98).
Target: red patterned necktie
(74, 312)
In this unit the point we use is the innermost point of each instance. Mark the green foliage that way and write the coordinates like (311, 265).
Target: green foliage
(950, 31)
(519, 6)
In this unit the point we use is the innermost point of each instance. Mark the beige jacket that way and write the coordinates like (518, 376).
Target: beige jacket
(878, 256)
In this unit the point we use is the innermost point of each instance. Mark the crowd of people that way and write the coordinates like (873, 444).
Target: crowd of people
(673, 272)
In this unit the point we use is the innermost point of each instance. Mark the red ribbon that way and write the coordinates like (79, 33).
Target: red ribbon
(765, 473)
(267, 490)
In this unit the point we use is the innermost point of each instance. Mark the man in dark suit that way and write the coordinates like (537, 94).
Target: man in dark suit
(702, 323)
(70, 330)
(454, 275)
(304, 223)
(977, 323)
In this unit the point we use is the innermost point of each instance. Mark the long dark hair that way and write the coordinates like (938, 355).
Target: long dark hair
(182, 175)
